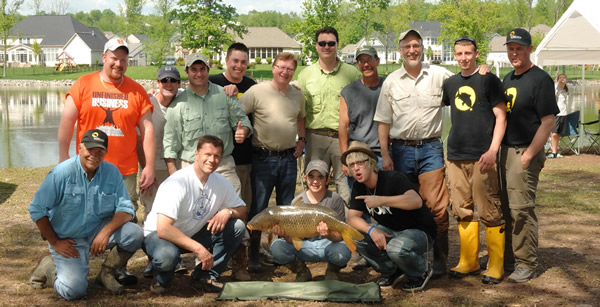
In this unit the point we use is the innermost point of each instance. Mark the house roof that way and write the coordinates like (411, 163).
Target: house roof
(350, 48)
(497, 44)
(541, 28)
(57, 30)
(267, 37)
(427, 28)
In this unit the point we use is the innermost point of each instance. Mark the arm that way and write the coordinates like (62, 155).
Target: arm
(301, 134)
(101, 240)
(410, 200)
(146, 127)
(61, 246)
(355, 220)
(230, 90)
(172, 139)
(383, 130)
(344, 125)
(541, 135)
(217, 222)
(65, 130)
(488, 159)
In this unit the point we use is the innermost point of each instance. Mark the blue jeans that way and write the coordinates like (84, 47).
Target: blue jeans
(270, 172)
(406, 250)
(415, 160)
(165, 255)
(319, 250)
(71, 273)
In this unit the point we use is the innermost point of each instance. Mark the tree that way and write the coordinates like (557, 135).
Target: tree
(315, 15)
(131, 10)
(160, 31)
(37, 51)
(268, 19)
(8, 12)
(208, 24)
(59, 7)
(36, 5)
(365, 9)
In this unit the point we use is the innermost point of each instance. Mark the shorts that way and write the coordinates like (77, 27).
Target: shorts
(560, 125)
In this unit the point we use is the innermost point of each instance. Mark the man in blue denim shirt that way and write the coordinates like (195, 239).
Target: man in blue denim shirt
(82, 208)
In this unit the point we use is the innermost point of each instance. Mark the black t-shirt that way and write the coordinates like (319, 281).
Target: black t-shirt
(242, 153)
(471, 100)
(530, 96)
(391, 183)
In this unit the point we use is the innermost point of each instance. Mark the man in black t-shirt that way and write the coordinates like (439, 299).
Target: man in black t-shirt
(401, 241)
(234, 82)
(530, 114)
(478, 113)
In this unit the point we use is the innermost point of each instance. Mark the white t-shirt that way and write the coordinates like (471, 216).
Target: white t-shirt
(191, 204)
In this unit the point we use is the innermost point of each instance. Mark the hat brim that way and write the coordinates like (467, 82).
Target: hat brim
(91, 145)
(357, 149)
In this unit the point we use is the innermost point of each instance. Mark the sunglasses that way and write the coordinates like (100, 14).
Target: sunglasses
(466, 38)
(165, 80)
(330, 44)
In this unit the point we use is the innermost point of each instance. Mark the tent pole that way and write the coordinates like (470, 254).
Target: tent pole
(582, 108)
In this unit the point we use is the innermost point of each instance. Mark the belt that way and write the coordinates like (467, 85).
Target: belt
(414, 142)
(268, 153)
(326, 132)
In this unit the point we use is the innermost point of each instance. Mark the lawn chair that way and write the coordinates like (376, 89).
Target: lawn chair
(570, 134)
(593, 135)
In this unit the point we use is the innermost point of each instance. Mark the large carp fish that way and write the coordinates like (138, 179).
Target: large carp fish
(300, 221)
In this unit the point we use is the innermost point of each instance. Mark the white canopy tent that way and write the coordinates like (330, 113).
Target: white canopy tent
(574, 40)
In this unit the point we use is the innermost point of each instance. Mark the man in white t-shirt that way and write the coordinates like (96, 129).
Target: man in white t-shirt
(195, 209)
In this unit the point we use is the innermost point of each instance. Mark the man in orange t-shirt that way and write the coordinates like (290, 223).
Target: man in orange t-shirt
(114, 103)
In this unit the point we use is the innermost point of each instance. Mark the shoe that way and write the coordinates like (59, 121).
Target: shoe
(521, 274)
(551, 156)
(417, 283)
(44, 274)
(148, 271)
(302, 272)
(440, 256)
(332, 271)
(125, 278)
(180, 269)
(361, 264)
(469, 251)
(391, 280)
(115, 262)
(495, 245)
(559, 155)
(157, 288)
(266, 257)
(208, 285)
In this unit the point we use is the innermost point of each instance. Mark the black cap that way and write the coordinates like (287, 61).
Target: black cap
(466, 38)
(95, 138)
(168, 72)
(519, 36)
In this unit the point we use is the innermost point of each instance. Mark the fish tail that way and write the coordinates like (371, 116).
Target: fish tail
(349, 235)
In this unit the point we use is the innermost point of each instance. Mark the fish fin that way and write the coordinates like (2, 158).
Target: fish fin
(347, 237)
(297, 243)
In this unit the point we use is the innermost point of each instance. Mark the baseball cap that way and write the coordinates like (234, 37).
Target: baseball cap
(319, 166)
(357, 146)
(115, 43)
(95, 138)
(519, 36)
(405, 33)
(466, 38)
(193, 58)
(368, 50)
(168, 72)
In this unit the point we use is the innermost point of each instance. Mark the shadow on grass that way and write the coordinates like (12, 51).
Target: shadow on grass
(6, 191)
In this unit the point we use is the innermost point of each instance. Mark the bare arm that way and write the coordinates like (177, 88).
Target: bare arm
(355, 220)
(541, 135)
(301, 134)
(147, 134)
(101, 240)
(410, 200)
(65, 130)
(383, 130)
(171, 166)
(488, 159)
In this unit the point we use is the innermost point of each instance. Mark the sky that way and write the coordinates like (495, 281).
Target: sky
(242, 6)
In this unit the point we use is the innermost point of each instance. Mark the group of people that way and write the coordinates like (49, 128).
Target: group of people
(212, 154)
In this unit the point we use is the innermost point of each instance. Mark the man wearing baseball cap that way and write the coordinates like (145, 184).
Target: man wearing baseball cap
(531, 107)
(82, 208)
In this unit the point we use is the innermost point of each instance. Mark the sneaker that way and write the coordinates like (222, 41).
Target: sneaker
(417, 283)
(208, 285)
(559, 155)
(124, 277)
(157, 288)
(180, 269)
(521, 274)
(552, 156)
(361, 264)
(391, 280)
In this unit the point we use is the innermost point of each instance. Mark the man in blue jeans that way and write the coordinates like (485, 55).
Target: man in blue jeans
(279, 112)
(82, 208)
(195, 209)
(401, 241)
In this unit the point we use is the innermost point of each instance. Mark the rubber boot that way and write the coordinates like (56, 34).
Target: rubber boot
(44, 274)
(468, 263)
(440, 255)
(495, 247)
(302, 272)
(332, 271)
(239, 264)
(254, 252)
(117, 258)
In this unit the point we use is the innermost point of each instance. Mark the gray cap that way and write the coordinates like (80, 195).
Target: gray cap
(405, 33)
(168, 72)
(194, 57)
(368, 50)
(319, 166)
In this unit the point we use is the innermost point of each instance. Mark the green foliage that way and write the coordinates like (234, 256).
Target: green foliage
(268, 19)
(180, 62)
(160, 31)
(429, 53)
(349, 30)
(258, 60)
(315, 15)
(105, 20)
(269, 60)
(365, 9)
(131, 10)
(8, 18)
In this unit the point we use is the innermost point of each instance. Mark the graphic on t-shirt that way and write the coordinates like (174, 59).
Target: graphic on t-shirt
(110, 103)
(465, 98)
(511, 95)
(200, 207)
(379, 210)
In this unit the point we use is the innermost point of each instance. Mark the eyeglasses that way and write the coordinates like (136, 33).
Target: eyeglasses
(290, 70)
(358, 163)
(330, 44)
(165, 80)
(466, 38)
(414, 46)
(362, 62)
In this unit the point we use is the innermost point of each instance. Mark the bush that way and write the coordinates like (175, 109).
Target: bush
(220, 66)
(251, 65)
(269, 60)
(180, 62)
(258, 60)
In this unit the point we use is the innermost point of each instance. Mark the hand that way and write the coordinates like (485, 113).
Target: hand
(386, 163)
(483, 69)
(278, 231)
(323, 229)
(372, 201)
(152, 92)
(299, 149)
(379, 238)
(148, 192)
(65, 248)
(240, 133)
(147, 178)
(230, 90)
(487, 161)
(205, 258)
(218, 222)
(526, 159)
(99, 244)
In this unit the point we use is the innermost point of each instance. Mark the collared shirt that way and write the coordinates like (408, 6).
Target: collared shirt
(193, 116)
(322, 91)
(76, 205)
(413, 107)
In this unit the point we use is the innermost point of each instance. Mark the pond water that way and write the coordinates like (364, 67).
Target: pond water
(29, 120)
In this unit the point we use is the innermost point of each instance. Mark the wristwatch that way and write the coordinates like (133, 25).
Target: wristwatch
(303, 139)
(231, 212)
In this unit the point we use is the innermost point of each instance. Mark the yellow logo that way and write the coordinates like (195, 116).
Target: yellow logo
(465, 98)
(512, 33)
(511, 95)
(94, 134)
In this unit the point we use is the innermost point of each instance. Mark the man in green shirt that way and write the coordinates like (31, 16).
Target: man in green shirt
(321, 84)
(203, 108)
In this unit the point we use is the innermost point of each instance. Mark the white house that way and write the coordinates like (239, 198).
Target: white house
(267, 42)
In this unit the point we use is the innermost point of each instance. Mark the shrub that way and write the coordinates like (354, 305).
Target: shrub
(180, 62)
(251, 65)
(258, 60)
(269, 60)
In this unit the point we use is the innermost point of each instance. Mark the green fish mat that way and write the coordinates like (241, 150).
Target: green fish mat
(325, 290)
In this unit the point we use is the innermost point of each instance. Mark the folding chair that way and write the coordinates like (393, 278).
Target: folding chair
(570, 134)
(594, 137)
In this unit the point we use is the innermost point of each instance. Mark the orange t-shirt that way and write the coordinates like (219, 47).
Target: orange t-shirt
(116, 111)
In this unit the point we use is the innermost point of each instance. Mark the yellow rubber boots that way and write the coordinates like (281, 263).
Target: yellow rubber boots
(468, 263)
(495, 247)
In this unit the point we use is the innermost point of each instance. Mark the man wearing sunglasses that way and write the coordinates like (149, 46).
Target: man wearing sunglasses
(322, 84)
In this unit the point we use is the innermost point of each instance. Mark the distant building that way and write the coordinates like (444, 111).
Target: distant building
(266, 42)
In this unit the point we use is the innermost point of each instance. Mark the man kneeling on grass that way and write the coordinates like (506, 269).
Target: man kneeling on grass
(82, 208)
(195, 209)
(401, 243)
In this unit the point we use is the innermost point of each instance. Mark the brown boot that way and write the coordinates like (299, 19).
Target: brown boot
(302, 272)
(44, 274)
(332, 271)
(116, 259)
(239, 265)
